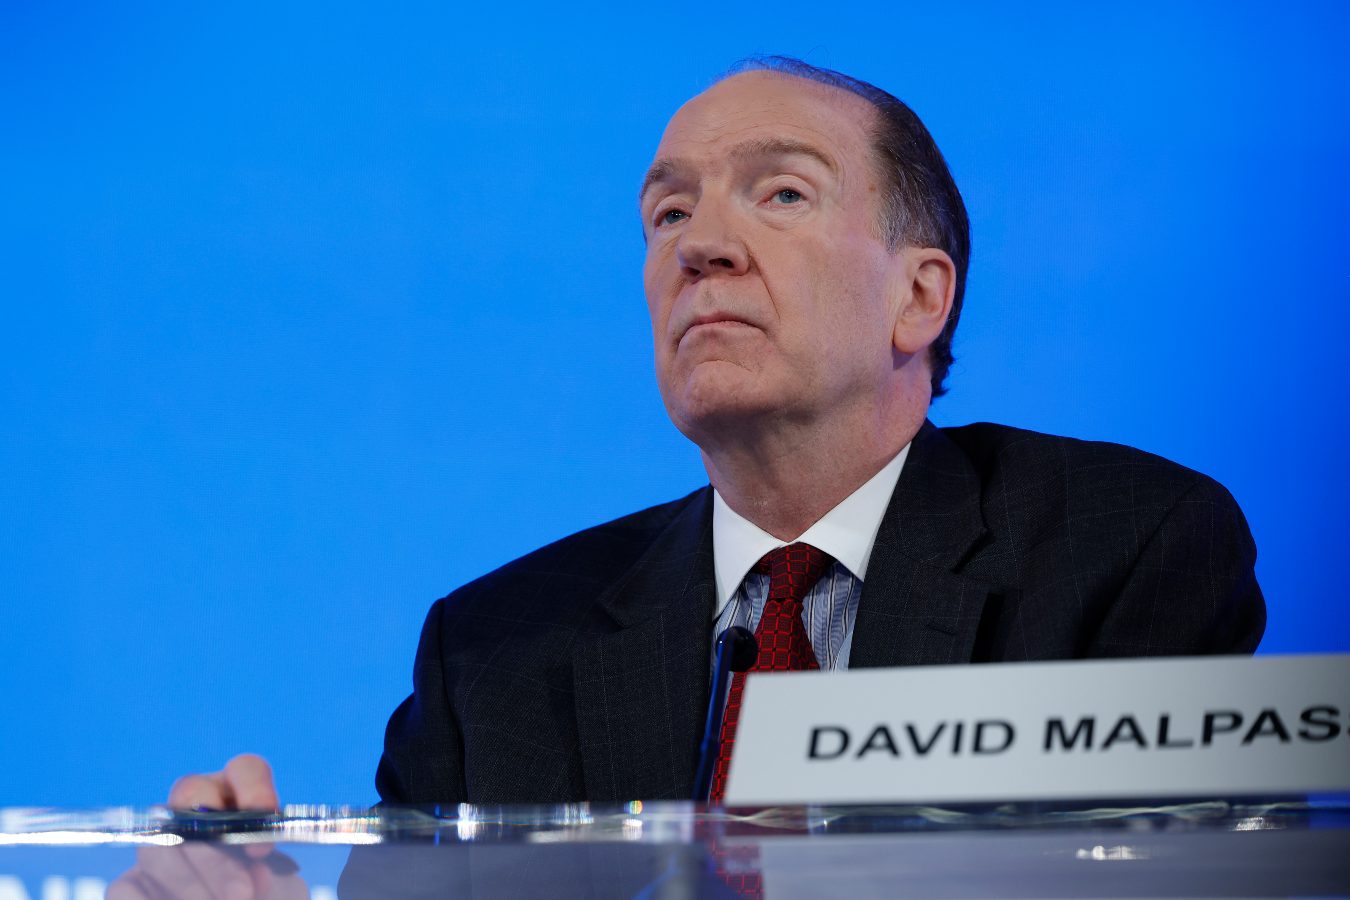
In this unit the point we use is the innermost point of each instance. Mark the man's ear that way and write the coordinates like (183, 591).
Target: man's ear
(930, 277)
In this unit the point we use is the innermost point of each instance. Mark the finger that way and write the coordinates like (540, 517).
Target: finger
(221, 870)
(262, 879)
(268, 854)
(249, 779)
(172, 873)
(194, 791)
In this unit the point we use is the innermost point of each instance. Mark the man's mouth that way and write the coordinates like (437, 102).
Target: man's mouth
(715, 320)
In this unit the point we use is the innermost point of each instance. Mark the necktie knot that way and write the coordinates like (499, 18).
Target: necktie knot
(793, 570)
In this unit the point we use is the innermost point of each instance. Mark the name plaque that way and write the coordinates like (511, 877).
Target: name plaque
(1178, 727)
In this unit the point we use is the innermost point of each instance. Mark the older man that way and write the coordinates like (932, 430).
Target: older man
(806, 258)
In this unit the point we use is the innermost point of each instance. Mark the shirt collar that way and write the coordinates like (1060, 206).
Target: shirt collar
(846, 532)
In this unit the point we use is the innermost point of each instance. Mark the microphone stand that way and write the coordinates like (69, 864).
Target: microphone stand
(737, 651)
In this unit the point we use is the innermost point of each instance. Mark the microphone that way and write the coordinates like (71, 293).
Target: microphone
(737, 651)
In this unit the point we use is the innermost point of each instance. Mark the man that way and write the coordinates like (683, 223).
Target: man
(806, 258)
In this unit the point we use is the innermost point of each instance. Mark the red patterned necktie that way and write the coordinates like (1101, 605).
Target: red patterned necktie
(783, 643)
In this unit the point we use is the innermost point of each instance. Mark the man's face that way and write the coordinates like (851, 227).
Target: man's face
(771, 290)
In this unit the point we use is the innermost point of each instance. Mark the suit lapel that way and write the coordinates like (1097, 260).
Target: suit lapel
(642, 690)
(915, 609)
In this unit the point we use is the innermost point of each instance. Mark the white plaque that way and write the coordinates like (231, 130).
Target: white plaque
(1216, 726)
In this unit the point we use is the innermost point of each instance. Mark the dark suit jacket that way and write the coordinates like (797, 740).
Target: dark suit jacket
(580, 671)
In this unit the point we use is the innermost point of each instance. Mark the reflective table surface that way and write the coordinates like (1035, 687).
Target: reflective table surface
(1236, 847)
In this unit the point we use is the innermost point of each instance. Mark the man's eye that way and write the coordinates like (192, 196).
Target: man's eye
(787, 195)
(670, 217)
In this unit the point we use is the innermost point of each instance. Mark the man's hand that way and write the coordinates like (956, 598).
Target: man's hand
(244, 783)
(199, 869)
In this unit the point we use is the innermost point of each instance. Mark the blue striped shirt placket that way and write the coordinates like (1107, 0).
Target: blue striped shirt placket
(828, 611)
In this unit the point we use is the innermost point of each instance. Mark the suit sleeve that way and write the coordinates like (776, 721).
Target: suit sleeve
(1192, 588)
(423, 747)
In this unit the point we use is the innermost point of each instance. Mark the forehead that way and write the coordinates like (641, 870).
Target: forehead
(770, 105)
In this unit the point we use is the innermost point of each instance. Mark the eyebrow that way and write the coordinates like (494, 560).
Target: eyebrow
(665, 170)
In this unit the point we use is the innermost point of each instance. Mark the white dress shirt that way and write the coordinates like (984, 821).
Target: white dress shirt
(846, 533)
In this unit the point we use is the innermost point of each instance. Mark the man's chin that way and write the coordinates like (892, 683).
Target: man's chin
(711, 408)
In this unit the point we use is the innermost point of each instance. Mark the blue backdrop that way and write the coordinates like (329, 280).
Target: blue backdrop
(314, 312)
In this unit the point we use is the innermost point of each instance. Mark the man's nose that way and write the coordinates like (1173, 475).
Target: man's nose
(709, 244)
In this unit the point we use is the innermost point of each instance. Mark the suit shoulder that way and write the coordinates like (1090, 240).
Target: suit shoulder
(556, 578)
(1003, 450)
(1033, 482)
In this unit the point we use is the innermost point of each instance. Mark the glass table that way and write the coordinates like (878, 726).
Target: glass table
(1209, 847)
